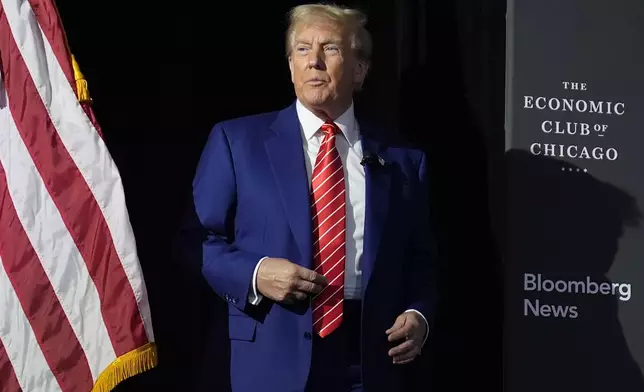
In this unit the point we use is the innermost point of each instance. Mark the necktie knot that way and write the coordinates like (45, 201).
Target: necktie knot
(329, 129)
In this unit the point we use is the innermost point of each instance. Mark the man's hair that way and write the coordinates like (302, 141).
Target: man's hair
(352, 20)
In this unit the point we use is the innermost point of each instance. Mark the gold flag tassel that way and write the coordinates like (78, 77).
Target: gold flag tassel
(82, 92)
(127, 365)
(81, 83)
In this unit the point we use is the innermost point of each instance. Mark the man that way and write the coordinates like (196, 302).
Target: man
(318, 232)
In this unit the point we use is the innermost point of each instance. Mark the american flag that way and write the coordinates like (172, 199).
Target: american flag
(74, 312)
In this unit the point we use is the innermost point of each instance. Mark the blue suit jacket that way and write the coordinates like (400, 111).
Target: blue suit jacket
(251, 198)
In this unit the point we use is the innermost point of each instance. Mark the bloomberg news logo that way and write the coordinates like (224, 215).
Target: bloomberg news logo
(586, 286)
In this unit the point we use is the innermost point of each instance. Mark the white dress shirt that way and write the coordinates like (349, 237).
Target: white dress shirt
(349, 147)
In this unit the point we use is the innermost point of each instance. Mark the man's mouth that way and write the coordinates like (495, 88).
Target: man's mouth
(316, 82)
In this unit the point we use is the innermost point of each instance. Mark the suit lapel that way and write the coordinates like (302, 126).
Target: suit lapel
(377, 183)
(286, 156)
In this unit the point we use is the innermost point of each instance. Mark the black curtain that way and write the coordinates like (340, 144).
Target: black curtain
(451, 83)
(161, 76)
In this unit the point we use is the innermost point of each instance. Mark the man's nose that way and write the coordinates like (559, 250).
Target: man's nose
(315, 59)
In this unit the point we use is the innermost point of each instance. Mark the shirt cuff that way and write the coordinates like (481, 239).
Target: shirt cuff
(254, 296)
(426, 324)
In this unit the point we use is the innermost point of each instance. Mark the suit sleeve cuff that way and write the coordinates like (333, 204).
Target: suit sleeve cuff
(426, 324)
(254, 296)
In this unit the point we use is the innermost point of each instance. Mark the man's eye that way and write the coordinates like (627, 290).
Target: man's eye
(302, 49)
(332, 48)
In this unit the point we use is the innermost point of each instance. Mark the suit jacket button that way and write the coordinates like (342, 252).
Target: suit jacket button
(308, 335)
(235, 300)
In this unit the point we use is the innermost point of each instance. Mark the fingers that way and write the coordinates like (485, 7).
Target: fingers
(407, 356)
(399, 323)
(405, 352)
(399, 330)
(308, 287)
(403, 361)
(292, 297)
(299, 295)
(299, 290)
(312, 276)
(287, 282)
(399, 333)
(405, 328)
(402, 348)
(309, 281)
(320, 279)
(296, 296)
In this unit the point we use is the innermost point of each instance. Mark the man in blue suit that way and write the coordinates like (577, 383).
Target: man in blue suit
(318, 229)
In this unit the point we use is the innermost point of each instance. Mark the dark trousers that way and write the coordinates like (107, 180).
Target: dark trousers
(335, 363)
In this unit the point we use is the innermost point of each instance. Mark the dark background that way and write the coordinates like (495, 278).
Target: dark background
(162, 75)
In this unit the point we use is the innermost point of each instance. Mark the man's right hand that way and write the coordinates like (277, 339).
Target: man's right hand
(284, 281)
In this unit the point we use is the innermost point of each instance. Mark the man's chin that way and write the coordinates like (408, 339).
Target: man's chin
(317, 100)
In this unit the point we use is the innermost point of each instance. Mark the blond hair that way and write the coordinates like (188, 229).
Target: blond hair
(348, 18)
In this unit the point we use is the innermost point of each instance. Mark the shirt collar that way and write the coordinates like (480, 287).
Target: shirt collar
(311, 124)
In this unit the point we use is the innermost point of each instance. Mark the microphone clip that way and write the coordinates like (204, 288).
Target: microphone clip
(372, 160)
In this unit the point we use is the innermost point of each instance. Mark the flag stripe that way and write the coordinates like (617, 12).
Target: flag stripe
(60, 173)
(50, 325)
(7, 375)
(88, 151)
(46, 14)
(21, 346)
(71, 280)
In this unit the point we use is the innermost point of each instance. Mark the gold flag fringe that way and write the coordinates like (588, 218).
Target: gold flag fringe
(127, 365)
(82, 88)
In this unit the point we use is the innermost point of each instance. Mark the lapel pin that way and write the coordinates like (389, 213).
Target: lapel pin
(372, 160)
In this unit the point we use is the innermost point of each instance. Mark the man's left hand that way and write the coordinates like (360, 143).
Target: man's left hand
(410, 329)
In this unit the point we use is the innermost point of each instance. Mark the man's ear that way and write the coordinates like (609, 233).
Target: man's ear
(360, 74)
(290, 67)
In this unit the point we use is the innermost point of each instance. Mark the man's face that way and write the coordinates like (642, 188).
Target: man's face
(324, 68)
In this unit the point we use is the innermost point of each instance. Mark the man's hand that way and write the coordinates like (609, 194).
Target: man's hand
(410, 329)
(284, 281)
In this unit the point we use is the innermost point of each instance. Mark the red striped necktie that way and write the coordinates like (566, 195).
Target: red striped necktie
(329, 226)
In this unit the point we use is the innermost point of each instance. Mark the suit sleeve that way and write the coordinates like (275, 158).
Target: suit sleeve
(421, 268)
(227, 269)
